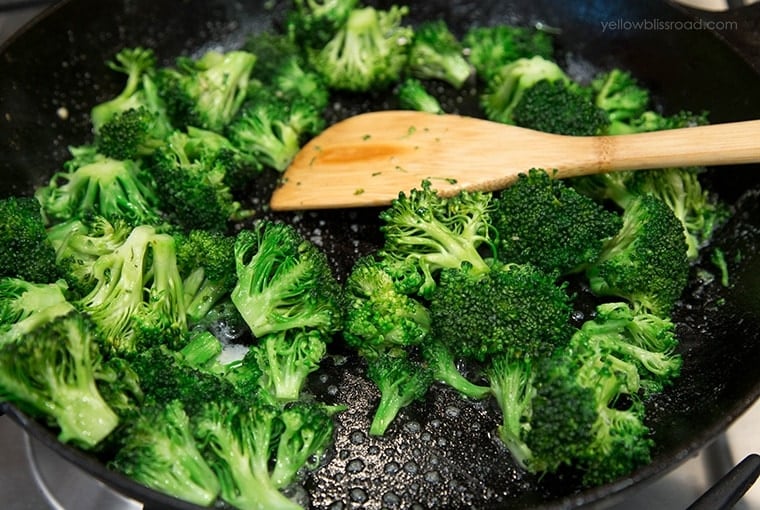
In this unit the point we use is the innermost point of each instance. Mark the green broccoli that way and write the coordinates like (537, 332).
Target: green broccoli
(138, 296)
(237, 442)
(619, 94)
(133, 134)
(413, 95)
(26, 306)
(368, 52)
(192, 185)
(307, 432)
(78, 243)
(139, 65)
(544, 221)
(443, 365)
(379, 317)
(51, 374)
(645, 262)
(270, 129)
(205, 93)
(206, 262)
(93, 184)
(160, 452)
(284, 281)
(560, 107)
(401, 381)
(490, 48)
(25, 251)
(505, 90)
(286, 358)
(313, 23)
(436, 54)
(433, 232)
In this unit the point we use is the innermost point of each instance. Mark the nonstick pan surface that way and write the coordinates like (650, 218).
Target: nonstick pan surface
(440, 453)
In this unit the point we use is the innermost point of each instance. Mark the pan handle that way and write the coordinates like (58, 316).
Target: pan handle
(731, 487)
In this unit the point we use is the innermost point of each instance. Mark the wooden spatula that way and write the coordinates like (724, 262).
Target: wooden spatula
(368, 159)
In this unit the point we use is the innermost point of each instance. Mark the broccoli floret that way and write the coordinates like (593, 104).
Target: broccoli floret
(442, 363)
(413, 95)
(544, 221)
(192, 185)
(645, 262)
(312, 23)
(119, 385)
(379, 317)
(79, 243)
(160, 452)
(307, 432)
(206, 261)
(25, 251)
(284, 281)
(619, 94)
(51, 374)
(510, 377)
(653, 121)
(512, 308)
(437, 54)
(699, 212)
(237, 442)
(505, 90)
(26, 306)
(432, 232)
(95, 185)
(207, 92)
(271, 129)
(133, 134)
(368, 52)
(490, 48)
(401, 381)
(139, 91)
(286, 358)
(642, 339)
(137, 297)
(284, 72)
(560, 107)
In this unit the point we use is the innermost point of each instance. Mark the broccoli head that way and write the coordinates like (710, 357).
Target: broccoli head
(401, 381)
(207, 92)
(505, 90)
(192, 185)
(133, 134)
(436, 54)
(51, 374)
(413, 95)
(646, 261)
(490, 48)
(286, 358)
(93, 184)
(368, 52)
(515, 308)
(312, 23)
(379, 317)
(431, 232)
(160, 452)
(25, 306)
(25, 251)
(560, 107)
(544, 221)
(284, 281)
(619, 94)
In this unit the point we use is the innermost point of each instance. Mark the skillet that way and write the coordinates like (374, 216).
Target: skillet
(439, 453)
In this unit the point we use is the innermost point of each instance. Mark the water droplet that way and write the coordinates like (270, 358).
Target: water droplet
(432, 477)
(411, 467)
(391, 499)
(355, 466)
(412, 427)
(391, 468)
(332, 390)
(452, 412)
(357, 437)
(358, 495)
(323, 378)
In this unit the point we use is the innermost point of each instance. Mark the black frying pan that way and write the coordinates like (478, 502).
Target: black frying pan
(439, 453)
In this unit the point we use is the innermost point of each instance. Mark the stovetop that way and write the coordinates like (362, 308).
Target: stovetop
(33, 478)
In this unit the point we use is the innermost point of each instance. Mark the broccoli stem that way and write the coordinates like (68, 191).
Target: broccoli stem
(83, 415)
(387, 410)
